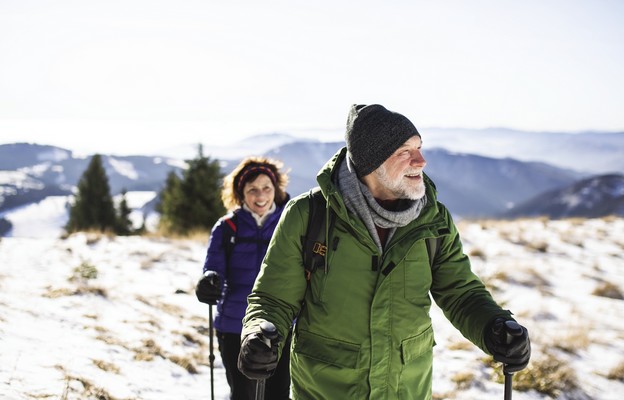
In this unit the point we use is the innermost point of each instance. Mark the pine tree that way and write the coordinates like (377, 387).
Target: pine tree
(123, 224)
(193, 202)
(93, 206)
(170, 202)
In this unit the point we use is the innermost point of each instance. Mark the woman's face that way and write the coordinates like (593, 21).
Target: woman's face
(259, 194)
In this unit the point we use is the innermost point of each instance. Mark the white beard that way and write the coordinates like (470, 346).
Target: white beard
(400, 188)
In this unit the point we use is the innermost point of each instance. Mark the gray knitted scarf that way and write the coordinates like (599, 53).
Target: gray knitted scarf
(360, 201)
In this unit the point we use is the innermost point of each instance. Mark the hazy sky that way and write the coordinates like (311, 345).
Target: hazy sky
(114, 72)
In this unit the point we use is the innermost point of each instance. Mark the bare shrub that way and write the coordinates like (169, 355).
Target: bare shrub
(111, 340)
(461, 345)
(574, 341)
(540, 247)
(442, 396)
(84, 272)
(168, 308)
(149, 263)
(100, 329)
(547, 375)
(500, 275)
(617, 373)
(608, 289)
(198, 235)
(463, 380)
(535, 279)
(106, 366)
(148, 351)
(89, 390)
(94, 236)
(192, 339)
(476, 252)
(184, 362)
(53, 293)
(89, 289)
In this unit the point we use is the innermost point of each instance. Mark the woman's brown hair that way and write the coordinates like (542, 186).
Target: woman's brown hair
(248, 170)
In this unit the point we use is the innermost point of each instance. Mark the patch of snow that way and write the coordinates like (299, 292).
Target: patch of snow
(7, 190)
(36, 170)
(174, 162)
(135, 201)
(572, 200)
(44, 219)
(617, 191)
(20, 179)
(48, 217)
(124, 168)
(54, 155)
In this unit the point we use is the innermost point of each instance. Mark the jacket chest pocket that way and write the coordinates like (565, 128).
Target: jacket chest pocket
(417, 275)
(348, 277)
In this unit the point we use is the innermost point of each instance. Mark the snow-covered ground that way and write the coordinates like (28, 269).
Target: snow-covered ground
(91, 317)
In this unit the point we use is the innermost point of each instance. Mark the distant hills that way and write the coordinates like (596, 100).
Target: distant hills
(592, 197)
(555, 175)
(586, 152)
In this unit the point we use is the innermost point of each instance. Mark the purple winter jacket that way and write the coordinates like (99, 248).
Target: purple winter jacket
(251, 245)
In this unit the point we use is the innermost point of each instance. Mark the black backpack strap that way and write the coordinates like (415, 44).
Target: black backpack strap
(432, 249)
(315, 240)
(433, 246)
(230, 227)
(231, 238)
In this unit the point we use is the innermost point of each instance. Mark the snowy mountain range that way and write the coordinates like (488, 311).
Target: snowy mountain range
(473, 171)
(30, 173)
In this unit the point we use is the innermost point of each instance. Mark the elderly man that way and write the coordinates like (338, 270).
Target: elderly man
(363, 329)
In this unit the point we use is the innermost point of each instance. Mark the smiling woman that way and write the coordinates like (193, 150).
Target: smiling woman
(255, 193)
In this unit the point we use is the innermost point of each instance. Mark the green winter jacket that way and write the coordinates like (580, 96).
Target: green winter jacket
(363, 329)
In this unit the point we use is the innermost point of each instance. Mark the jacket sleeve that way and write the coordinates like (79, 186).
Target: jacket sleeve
(280, 287)
(215, 257)
(460, 294)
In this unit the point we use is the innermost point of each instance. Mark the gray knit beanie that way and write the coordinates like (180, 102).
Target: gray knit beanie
(373, 134)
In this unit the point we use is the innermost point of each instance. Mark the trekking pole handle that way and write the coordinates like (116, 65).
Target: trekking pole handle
(513, 329)
(269, 332)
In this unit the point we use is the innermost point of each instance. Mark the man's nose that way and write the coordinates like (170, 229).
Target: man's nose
(418, 160)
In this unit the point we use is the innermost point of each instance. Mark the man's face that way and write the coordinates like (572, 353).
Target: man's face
(400, 176)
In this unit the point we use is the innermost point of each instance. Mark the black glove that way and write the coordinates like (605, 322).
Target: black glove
(509, 343)
(208, 288)
(258, 355)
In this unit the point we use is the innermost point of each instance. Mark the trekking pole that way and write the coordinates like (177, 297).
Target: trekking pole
(269, 332)
(513, 329)
(212, 357)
